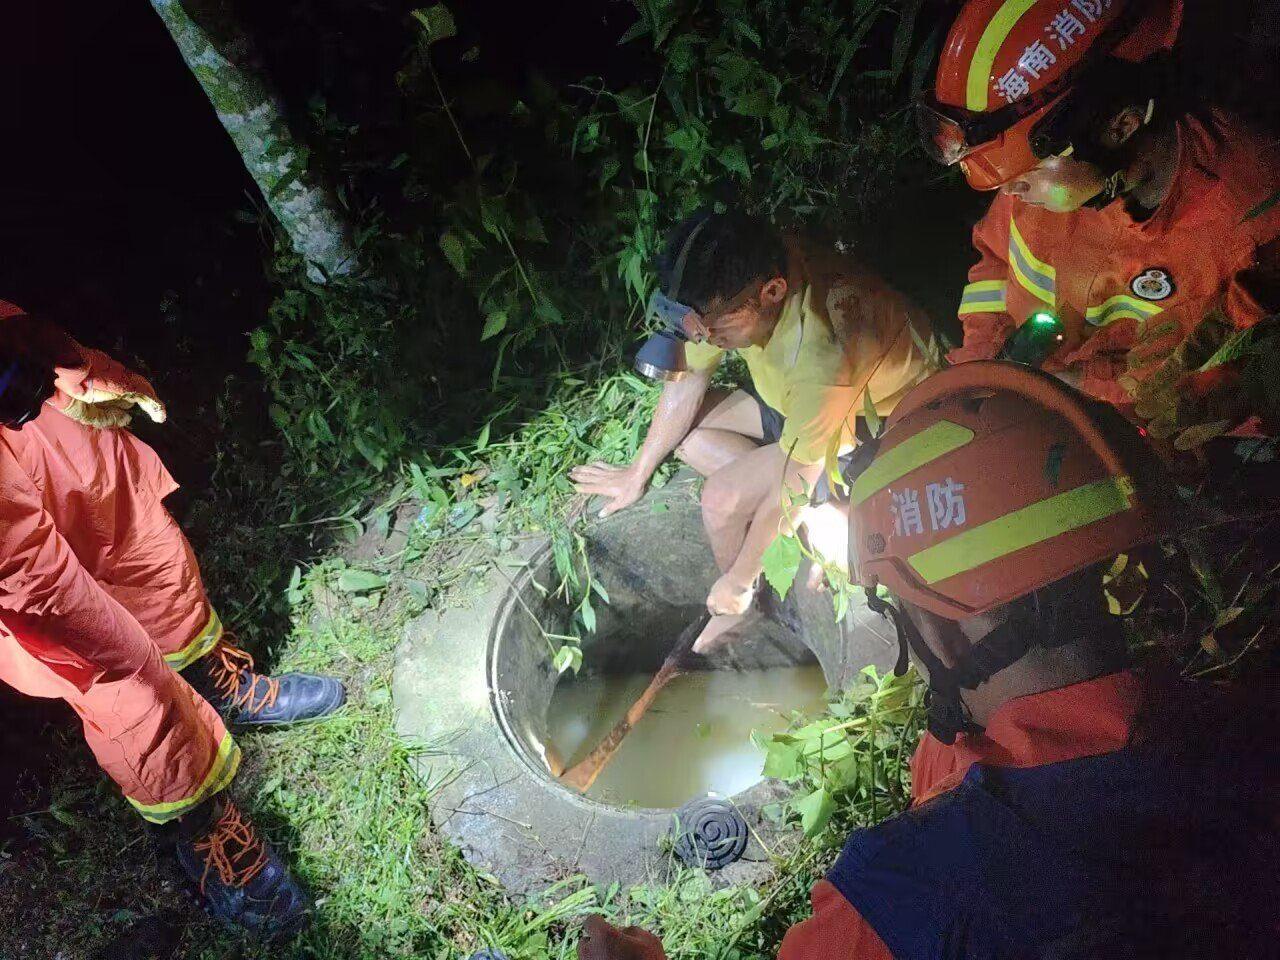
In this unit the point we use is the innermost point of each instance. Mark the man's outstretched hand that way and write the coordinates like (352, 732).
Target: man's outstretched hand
(620, 485)
(603, 941)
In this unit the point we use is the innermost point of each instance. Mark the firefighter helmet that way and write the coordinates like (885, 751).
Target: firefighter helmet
(1006, 63)
(994, 480)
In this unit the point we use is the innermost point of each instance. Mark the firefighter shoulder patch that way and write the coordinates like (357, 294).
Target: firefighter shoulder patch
(1154, 284)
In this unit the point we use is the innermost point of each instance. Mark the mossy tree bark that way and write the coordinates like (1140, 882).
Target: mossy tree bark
(223, 59)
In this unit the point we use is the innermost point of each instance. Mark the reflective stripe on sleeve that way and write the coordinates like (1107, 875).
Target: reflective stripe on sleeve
(1038, 277)
(984, 296)
(225, 764)
(1023, 528)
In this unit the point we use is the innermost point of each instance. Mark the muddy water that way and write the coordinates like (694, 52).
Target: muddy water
(695, 739)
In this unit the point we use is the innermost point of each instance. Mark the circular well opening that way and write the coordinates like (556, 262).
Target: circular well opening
(695, 739)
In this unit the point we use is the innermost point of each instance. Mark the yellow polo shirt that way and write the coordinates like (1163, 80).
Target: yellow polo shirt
(839, 335)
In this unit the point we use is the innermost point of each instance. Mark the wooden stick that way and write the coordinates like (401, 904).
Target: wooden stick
(582, 775)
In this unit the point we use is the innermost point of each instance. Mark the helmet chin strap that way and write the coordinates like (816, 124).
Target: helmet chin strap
(948, 714)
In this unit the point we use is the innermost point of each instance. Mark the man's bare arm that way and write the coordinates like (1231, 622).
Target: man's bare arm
(672, 420)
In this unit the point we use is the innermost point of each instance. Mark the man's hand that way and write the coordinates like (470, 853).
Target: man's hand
(603, 941)
(621, 485)
(729, 597)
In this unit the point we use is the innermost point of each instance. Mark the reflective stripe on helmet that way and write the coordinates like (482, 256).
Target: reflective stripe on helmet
(1121, 307)
(978, 91)
(984, 296)
(1024, 528)
(924, 447)
(1038, 277)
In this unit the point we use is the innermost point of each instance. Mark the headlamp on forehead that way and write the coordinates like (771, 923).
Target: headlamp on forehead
(661, 357)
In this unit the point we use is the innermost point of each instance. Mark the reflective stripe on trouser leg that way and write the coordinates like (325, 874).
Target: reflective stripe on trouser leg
(203, 642)
(162, 743)
(226, 762)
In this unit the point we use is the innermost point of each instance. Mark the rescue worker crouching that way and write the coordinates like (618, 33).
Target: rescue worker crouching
(1125, 207)
(817, 331)
(1051, 816)
(102, 604)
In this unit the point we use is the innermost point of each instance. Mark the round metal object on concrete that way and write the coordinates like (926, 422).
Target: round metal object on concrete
(472, 687)
(709, 833)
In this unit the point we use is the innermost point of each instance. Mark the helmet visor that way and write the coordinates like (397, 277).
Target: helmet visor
(946, 136)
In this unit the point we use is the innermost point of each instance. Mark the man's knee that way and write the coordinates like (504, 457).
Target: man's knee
(687, 450)
(724, 494)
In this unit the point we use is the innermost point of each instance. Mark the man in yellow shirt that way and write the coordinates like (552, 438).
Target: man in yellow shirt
(818, 332)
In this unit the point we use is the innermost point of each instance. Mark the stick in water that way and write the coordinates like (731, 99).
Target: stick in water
(584, 774)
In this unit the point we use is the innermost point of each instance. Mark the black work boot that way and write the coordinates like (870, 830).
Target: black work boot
(225, 678)
(241, 879)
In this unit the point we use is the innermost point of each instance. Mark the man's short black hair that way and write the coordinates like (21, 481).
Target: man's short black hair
(728, 251)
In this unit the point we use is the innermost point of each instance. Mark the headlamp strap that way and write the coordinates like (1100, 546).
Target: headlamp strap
(682, 258)
(948, 716)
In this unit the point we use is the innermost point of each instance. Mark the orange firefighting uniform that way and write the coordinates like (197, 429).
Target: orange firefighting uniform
(1130, 292)
(101, 601)
(1082, 720)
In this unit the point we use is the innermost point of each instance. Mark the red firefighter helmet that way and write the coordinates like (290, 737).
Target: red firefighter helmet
(994, 480)
(1005, 64)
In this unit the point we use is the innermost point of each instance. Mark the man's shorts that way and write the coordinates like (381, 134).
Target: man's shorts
(771, 420)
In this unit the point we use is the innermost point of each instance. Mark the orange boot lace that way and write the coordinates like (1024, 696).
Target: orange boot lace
(232, 848)
(226, 663)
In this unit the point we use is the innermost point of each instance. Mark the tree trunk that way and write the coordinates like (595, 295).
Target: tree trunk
(224, 61)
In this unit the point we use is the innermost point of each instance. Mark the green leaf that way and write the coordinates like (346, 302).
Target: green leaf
(482, 441)
(609, 170)
(782, 563)
(903, 37)
(568, 657)
(360, 581)
(377, 459)
(635, 31)
(734, 159)
(815, 811)
(1235, 347)
(782, 761)
(588, 614)
(870, 414)
(494, 324)
(437, 22)
(420, 591)
(455, 252)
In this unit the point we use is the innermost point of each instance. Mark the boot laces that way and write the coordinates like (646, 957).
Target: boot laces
(233, 849)
(227, 664)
